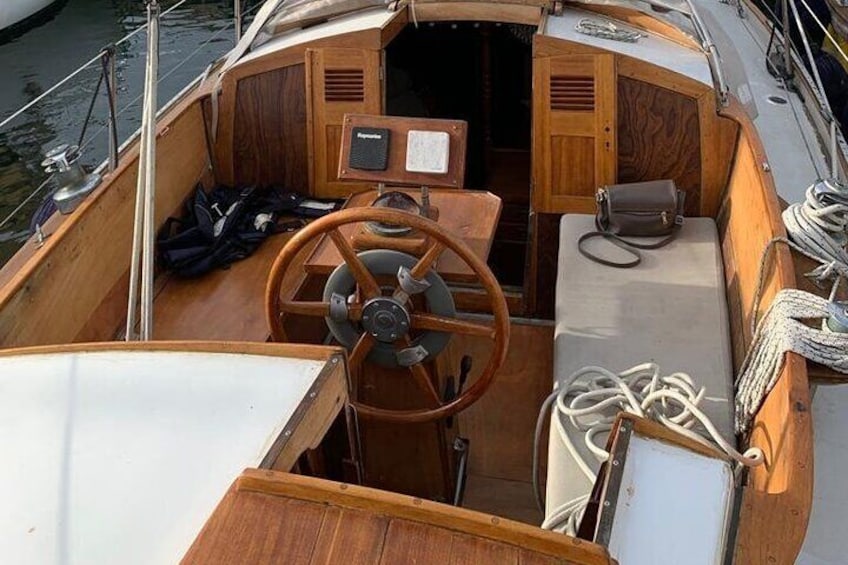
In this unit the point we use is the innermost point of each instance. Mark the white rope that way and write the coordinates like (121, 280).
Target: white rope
(817, 230)
(589, 401)
(818, 224)
(607, 30)
(782, 329)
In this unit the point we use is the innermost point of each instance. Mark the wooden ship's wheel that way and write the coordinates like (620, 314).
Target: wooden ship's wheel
(384, 325)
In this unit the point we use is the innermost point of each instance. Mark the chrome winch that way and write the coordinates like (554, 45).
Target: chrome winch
(73, 183)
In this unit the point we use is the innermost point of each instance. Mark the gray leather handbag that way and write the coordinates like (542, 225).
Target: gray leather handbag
(639, 209)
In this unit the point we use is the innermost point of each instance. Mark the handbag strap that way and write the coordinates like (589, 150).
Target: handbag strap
(627, 245)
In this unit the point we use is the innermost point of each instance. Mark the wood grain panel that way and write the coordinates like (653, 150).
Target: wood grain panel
(500, 425)
(659, 137)
(270, 130)
(778, 496)
(542, 270)
(718, 146)
(395, 171)
(572, 166)
(574, 141)
(270, 528)
(325, 114)
(409, 542)
(347, 536)
(271, 517)
(52, 297)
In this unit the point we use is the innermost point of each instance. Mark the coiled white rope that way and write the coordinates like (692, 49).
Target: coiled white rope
(782, 330)
(606, 30)
(589, 401)
(817, 230)
(818, 224)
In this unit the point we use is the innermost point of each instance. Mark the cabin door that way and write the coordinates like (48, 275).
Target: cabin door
(338, 82)
(573, 130)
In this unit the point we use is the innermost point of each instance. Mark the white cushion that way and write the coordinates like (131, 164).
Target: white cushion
(671, 309)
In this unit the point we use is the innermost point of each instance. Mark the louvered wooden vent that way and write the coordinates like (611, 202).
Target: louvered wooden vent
(344, 85)
(572, 93)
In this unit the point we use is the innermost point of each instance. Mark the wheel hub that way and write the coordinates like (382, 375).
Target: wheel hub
(385, 318)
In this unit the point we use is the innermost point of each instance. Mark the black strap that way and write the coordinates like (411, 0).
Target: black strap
(629, 246)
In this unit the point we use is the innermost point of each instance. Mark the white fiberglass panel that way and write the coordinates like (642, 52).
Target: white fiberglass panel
(121, 456)
(673, 506)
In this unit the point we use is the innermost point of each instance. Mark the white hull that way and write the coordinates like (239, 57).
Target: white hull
(16, 11)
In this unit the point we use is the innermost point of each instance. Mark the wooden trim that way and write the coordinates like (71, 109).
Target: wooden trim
(655, 430)
(54, 296)
(313, 417)
(391, 30)
(297, 351)
(478, 12)
(29, 257)
(422, 511)
(659, 76)
(777, 500)
(718, 145)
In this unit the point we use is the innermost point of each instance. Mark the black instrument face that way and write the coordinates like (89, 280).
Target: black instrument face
(369, 149)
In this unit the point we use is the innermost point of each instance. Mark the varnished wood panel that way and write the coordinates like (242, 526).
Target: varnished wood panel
(659, 137)
(269, 517)
(325, 114)
(472, 215)
(270, 130)
(52, 297)
(514, 12)
(572, 166)
(500, 425)
(777, 499)
(574, 142)
(542, 270)
(395, 171)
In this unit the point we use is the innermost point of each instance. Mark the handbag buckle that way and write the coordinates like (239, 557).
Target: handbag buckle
(601, 195)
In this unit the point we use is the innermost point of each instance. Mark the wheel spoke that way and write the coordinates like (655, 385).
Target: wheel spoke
(305, 308)
(360, 350)
(360, 272)
(419, 271)
(422, 377)
(452, 325)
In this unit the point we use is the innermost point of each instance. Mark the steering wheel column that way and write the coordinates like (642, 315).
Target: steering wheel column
(382, 324)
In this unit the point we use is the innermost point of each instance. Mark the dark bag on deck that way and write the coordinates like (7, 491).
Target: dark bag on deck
(221, 227)
(639, 209)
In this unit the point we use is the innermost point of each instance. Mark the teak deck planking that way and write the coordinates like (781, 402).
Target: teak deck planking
(268, 515)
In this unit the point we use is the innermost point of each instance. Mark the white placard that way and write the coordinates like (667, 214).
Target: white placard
(427, 151)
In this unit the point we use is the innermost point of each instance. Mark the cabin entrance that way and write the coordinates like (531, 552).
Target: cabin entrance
(479, 72)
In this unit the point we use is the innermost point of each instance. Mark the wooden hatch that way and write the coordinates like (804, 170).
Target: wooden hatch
(273, 517)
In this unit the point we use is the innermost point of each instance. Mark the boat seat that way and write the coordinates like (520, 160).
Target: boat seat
(670, 309)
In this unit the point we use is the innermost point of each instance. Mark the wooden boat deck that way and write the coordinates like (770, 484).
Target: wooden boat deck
(227, 304)
(268, 515)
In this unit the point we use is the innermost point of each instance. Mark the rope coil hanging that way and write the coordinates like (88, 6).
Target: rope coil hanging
(817, 230)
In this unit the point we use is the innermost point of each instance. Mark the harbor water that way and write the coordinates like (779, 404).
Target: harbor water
(192, 36)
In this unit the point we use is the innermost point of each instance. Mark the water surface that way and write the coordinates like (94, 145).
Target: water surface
(192, 36)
